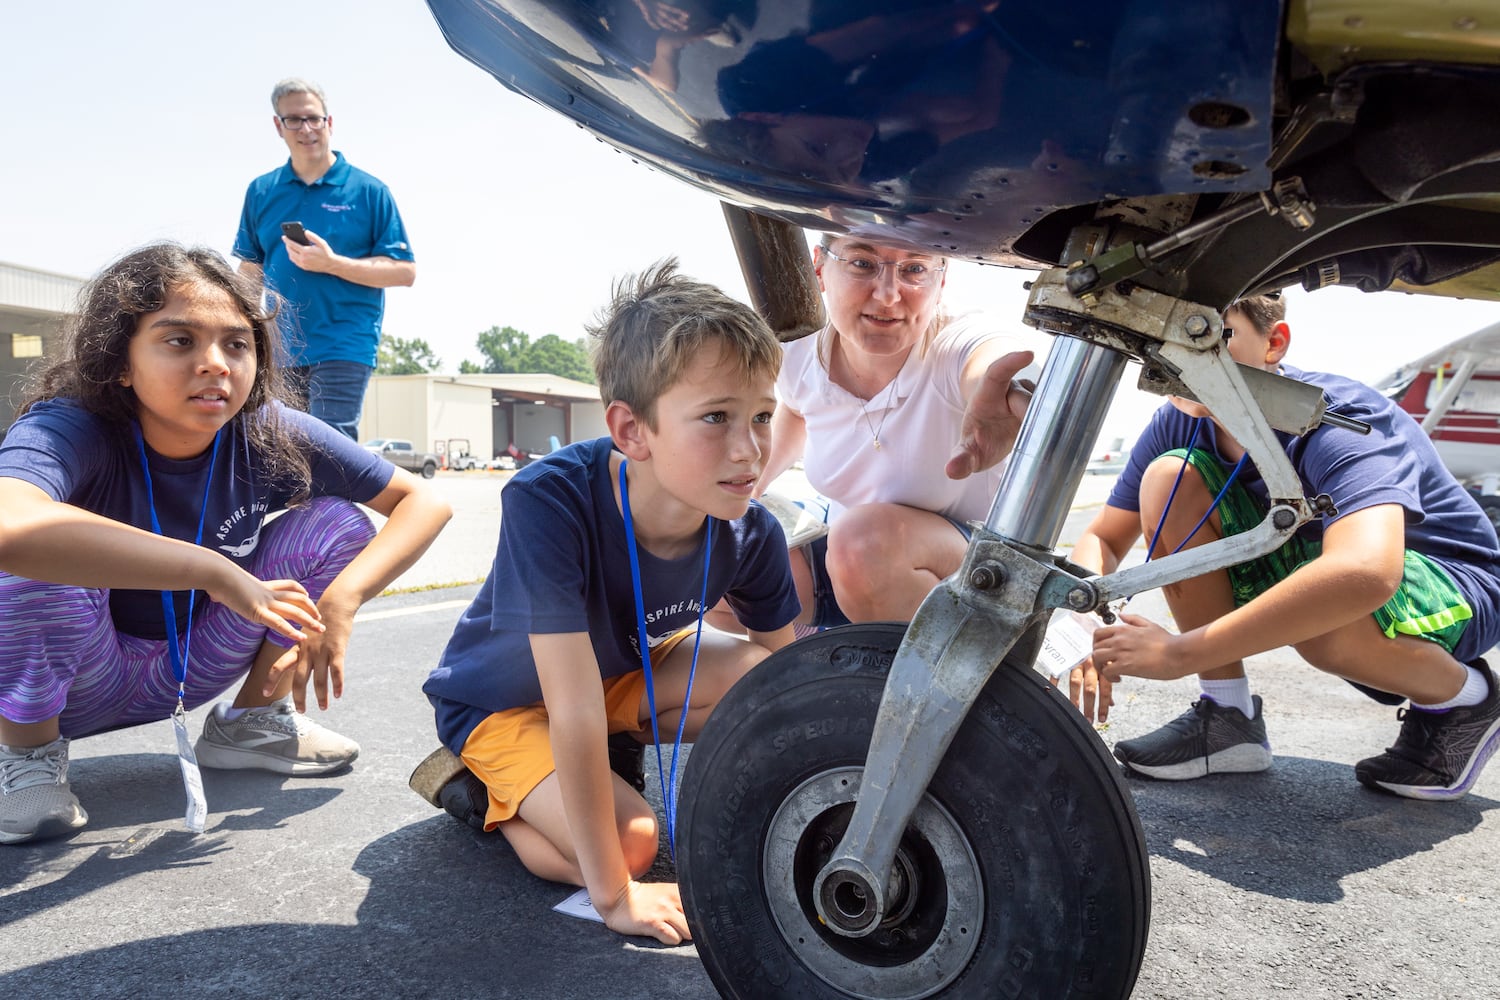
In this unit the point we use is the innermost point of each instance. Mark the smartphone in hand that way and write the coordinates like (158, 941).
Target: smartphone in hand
(294, 232)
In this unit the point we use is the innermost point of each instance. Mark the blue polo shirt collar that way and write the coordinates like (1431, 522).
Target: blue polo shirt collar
(335, 176)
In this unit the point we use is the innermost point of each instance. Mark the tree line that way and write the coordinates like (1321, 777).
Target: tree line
(504, 349)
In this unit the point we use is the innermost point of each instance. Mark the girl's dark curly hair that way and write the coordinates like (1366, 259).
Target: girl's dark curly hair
(96, 340)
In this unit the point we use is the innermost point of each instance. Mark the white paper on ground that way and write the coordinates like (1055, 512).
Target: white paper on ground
(578, 905)
(1069, 640)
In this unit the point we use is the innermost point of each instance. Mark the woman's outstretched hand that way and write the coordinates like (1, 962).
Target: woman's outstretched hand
(993, 417)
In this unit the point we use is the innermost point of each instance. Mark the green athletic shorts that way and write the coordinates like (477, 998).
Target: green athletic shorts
(1427, 605)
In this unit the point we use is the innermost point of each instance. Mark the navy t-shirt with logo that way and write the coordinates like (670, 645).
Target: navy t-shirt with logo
(82, 459)
(562, 566)
(1395, 463)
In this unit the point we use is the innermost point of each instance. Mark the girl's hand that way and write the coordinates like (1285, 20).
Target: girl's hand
(283, 606)
(319, 656)
(1138, 647)
(649, 909)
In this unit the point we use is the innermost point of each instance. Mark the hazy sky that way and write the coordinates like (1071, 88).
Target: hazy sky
(145, 119)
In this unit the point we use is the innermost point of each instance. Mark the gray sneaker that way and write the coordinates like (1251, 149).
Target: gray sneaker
(275, 738)
(1206, 739)
(35, 800)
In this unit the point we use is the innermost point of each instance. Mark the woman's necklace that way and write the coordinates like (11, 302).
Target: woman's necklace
(890, 404)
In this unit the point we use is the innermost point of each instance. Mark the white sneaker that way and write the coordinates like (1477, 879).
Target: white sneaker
(35, 800)
(274, 738)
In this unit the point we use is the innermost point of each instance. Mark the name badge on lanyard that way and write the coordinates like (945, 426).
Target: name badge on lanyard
(192, 779)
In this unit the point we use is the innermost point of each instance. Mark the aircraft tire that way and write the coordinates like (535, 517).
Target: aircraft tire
(1025, 865)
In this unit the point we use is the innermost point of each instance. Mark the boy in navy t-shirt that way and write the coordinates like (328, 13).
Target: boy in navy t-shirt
(602, 544)
(1396, 592)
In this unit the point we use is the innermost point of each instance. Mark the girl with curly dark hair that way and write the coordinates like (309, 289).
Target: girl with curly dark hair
(135, 490)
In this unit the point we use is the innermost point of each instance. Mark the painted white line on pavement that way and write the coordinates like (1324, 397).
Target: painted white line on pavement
(374, 616)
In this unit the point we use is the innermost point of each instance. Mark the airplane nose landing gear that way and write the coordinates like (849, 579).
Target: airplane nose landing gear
(1021, 873)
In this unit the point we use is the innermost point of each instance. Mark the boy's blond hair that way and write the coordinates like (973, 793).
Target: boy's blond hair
(657, 322)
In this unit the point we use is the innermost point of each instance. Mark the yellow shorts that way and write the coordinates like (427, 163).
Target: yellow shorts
(511, 751)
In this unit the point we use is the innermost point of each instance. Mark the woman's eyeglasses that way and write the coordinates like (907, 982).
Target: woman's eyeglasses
(913, 273)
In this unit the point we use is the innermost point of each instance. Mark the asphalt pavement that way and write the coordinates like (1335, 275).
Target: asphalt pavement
(1292, 883)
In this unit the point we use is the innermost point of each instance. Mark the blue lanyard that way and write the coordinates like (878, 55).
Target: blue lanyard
(168, 605)
(1192, 440)
(669, 784)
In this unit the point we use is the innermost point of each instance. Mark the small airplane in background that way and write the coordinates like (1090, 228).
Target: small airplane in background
(1109, 461)
(1454, 392)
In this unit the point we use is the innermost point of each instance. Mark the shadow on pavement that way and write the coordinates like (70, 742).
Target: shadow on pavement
(449, 912)
(146, 797)
(1296, 831)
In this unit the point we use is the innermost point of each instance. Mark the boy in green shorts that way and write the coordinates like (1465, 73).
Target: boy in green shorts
(609, 548)
(1396, 592)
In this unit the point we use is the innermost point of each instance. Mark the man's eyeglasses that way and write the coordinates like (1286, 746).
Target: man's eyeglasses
(913, 273)
(297, 123)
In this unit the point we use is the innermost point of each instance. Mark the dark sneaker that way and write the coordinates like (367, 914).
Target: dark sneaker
(443, 780)
(627, 758)
(1438, 755)
(35, 800)
(466, 799)
(436, 770)
(1206, 739)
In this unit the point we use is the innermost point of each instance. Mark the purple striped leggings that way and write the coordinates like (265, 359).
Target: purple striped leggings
(61, 655)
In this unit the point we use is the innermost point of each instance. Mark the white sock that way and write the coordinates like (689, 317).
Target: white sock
(1234, 693)
(1475, 690)
(231, 713)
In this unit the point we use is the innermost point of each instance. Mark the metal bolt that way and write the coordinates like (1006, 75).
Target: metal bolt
(1196, 326)
(1079, 598)
(1283, 519)
(1081, 277)
(986, 576)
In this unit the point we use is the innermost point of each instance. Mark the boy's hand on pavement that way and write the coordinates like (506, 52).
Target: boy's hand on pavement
(649, 909)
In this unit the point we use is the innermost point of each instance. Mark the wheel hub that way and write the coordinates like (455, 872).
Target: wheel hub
(934, 916)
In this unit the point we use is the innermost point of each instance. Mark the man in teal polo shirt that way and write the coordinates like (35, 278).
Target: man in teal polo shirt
(333, 284)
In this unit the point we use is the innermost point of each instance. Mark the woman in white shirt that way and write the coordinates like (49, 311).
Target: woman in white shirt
(901, 416)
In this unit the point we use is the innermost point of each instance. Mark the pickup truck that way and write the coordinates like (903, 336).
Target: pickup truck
(401, 453)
